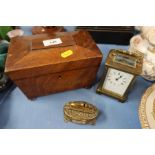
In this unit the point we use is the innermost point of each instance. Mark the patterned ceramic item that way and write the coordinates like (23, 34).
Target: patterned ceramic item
(146, 31)
(15, 33)
(151, 39)
(147, 108)
(142, 46)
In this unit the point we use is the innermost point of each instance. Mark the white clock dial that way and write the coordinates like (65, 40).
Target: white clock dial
(117, 81)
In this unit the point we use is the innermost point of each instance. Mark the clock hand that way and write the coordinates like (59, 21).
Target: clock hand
(118, 78)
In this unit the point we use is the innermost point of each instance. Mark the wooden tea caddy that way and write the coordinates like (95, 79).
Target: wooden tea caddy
(40, 70)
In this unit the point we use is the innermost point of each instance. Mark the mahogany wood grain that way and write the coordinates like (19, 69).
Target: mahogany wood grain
(39, 70)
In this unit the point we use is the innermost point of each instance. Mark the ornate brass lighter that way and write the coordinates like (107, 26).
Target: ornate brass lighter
(80, 112)
(121, 71)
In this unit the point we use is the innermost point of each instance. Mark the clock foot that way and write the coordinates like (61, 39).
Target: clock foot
(122, 100)
(98, 91)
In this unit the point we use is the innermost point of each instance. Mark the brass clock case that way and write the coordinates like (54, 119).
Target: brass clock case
(123, 61)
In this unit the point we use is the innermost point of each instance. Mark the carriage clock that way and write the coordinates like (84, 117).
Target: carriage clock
(122, 68)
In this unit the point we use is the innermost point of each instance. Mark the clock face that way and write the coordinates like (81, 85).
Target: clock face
(117, 81)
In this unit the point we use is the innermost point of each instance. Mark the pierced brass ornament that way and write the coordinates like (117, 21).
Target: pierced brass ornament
(80, 112)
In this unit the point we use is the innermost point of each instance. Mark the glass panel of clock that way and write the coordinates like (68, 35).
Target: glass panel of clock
(117, 81)
(125, 60)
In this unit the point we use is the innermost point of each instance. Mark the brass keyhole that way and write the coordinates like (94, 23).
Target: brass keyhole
(59, 77)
